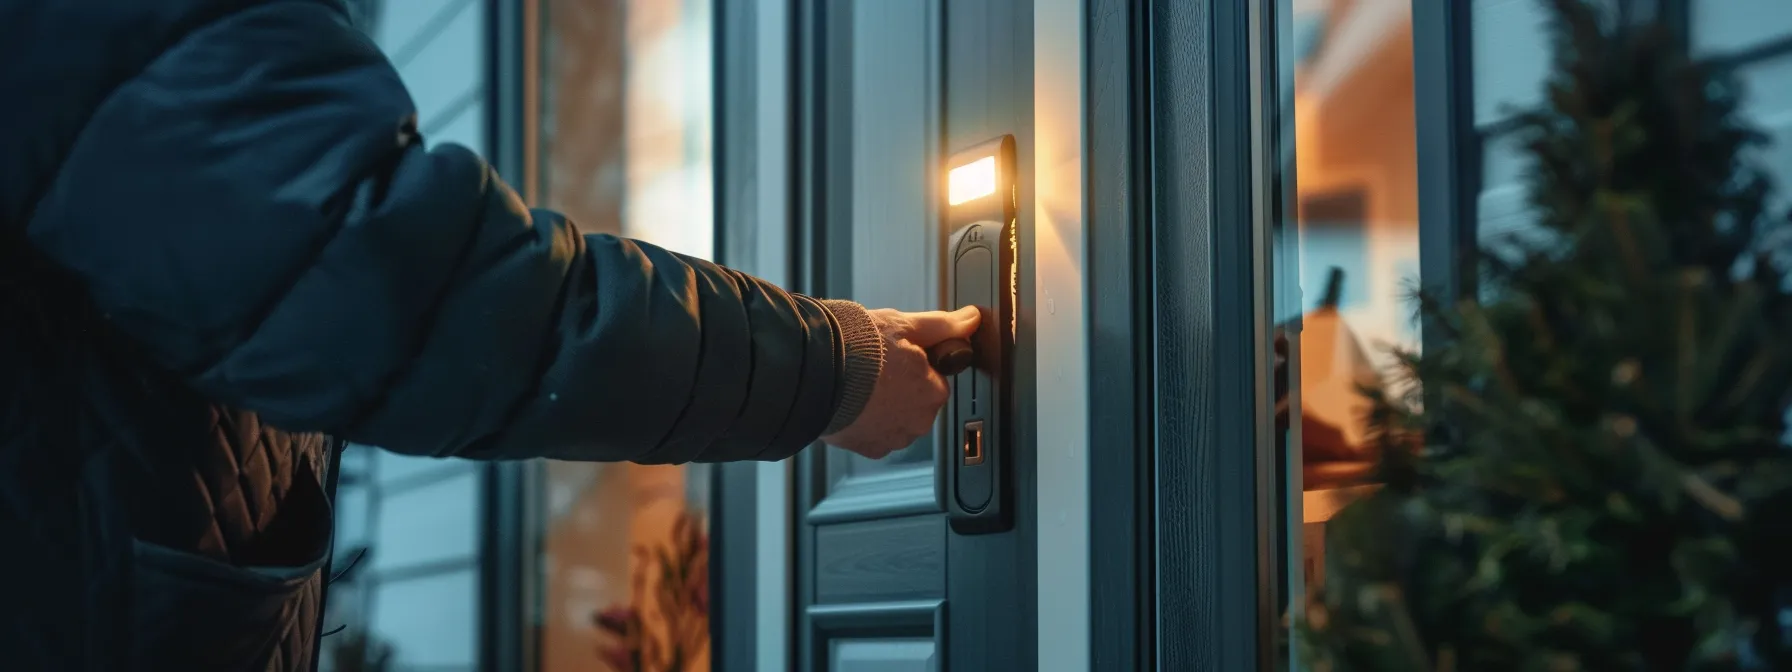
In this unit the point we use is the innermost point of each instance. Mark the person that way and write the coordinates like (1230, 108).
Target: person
(227, 241)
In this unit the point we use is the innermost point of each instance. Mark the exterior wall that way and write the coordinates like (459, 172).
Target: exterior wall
(1511, 58)
(417, 588)
(1732, 26)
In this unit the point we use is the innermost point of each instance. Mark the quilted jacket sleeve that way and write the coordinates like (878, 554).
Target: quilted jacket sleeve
(256, 209)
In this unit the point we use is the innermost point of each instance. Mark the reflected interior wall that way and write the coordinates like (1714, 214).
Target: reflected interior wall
(625, 150)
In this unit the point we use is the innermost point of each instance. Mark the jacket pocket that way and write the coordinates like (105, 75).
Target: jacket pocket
(192, 612)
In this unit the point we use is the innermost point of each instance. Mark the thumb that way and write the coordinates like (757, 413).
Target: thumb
(932, 327)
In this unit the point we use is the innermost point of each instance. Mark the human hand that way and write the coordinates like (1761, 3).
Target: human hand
(909, 392)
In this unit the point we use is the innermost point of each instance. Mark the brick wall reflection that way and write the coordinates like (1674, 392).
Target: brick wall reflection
(584, 57)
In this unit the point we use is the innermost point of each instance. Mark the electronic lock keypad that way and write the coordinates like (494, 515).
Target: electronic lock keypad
(980, 253)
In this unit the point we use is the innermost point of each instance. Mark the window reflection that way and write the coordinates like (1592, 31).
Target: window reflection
(1349, 240)
(625, 149)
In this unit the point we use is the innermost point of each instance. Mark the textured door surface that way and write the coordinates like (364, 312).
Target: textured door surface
(882, 582)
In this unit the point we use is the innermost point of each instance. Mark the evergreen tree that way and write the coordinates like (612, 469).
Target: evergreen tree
(1593, 472)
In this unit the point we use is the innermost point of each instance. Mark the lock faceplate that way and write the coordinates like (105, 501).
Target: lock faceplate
(976, 468)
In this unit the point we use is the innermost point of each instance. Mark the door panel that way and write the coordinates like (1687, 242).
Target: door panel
(872, 540)
(887, 98)
(883, 559)
(895, 99)
(884, 637)
(891, 94)
(878, 569)
(890, 655)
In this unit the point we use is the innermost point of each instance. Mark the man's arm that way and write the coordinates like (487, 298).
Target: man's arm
(256, 209)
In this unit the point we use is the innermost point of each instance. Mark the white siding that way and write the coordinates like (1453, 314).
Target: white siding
(395, 468)
(1511, 56)
(1511, 59)
(439, 48)
(466, 129)
(1727, 26)
(430, 620)
(1768, 87)
(403, 23)
(428, 524)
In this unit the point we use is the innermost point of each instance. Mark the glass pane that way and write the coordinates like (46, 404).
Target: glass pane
(407, 526)
(1346, 254)
(625, 149)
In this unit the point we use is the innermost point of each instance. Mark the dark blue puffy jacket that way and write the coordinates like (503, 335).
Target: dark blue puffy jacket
(225, 240)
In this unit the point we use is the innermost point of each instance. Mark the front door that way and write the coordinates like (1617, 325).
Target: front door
(886, 92)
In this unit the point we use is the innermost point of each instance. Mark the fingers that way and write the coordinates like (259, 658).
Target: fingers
(928, 328)
(936, 384)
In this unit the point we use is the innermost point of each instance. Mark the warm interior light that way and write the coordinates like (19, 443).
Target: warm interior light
(971, 181)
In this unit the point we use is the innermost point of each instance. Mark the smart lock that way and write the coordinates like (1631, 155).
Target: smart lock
(976, 467)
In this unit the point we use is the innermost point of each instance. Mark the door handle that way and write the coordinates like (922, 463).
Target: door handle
(974, 478)
(952, 357)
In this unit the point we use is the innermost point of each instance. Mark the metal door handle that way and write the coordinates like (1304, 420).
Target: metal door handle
(952, 357)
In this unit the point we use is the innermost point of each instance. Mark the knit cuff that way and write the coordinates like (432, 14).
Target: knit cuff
(861, 363)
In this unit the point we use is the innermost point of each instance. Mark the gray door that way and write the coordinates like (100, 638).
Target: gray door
(886, 90)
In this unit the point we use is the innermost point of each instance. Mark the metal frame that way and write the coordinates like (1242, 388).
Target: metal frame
(1118, 216)
(738, 631)
(1211, 539)
(1208, 183)
(1203, 151)
(1450, 146)
(508, 574)
(811, 271)
(733, 578)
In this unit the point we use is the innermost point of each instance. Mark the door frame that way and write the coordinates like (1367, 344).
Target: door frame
(509, 570)
(1117, 209)
(1180, 191)
(1178, 533)
(1213, 466)
(752, 544)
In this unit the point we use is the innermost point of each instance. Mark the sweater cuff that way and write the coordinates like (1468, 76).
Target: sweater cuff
(861, 363)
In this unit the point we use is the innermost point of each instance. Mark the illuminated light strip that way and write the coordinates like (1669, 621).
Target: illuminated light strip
(971, 181)
(1013, 283)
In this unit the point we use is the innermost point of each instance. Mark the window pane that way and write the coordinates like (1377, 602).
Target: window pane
(405, 555)
(625, 126)
(1347, 254)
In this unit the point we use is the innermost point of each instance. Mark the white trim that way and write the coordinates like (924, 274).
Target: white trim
(1062, 333)
(773, 486)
